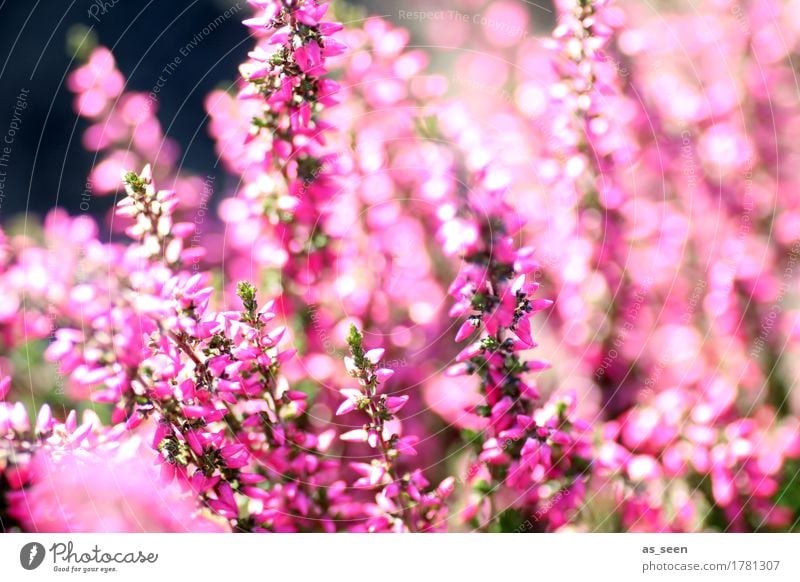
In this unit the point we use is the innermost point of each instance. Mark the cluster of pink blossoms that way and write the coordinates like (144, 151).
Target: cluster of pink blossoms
(611, 195)
(289, 178)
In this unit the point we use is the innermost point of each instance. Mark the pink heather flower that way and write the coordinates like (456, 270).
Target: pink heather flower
(353, 398)
(5, 387)
(309, 59)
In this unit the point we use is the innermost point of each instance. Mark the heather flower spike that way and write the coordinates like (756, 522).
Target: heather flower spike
(405, 506)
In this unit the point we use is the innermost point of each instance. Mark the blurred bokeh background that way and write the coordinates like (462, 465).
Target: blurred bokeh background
(49, 165)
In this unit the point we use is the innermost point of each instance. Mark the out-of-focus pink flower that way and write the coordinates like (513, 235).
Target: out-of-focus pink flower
(106, 491)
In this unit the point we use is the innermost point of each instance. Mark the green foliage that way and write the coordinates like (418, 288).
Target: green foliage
(509, 521)
(355, 340)
(789, 493)
(247, 293)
